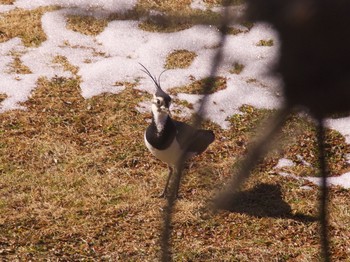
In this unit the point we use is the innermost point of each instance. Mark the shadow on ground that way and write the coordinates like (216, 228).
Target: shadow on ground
(264, 200)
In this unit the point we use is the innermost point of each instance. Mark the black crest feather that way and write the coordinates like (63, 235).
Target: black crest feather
(159, 92)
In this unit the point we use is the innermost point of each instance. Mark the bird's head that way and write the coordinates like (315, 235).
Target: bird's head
(161, 101)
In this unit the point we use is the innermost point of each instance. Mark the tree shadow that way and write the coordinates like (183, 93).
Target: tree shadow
(264, 200)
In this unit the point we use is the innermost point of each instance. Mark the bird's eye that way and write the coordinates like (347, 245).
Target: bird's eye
(158, 102)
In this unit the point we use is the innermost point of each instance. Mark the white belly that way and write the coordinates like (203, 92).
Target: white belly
(170, 155)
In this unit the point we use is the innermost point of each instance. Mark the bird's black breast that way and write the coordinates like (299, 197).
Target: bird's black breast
(161, 140)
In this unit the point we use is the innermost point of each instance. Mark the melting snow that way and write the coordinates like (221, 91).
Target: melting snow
(284, 162)
(343, 180)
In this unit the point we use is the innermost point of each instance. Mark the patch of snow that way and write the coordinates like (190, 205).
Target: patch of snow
(343, 180)
(284, 162)
(6, 8)
(347, 157)
(104, 5)
(306, 187)
(198, 4)
(342, 125)
(305, 163)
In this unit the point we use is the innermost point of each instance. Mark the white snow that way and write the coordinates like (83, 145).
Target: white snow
(113, 56)
(103, 5)
(305, 163)
(6, 8)
(284, 162)
(343, 180)
(198, 4)
(342, 125)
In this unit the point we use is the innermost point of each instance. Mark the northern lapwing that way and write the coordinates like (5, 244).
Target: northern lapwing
(166, 138)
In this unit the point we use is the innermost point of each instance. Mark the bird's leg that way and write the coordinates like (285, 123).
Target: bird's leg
(167, 182)
(178, 173)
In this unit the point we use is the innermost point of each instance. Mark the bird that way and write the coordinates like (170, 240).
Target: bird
(168, 139)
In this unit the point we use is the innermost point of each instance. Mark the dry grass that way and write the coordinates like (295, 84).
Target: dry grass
(211, 3)
(7, 2)
(175, 9)
(237, 68)
(18, 67)
(264, 42)
(87, 25)
(77, 183)
(2, 97)
(63, 61)
(196, 87)
(165, 6)
(151, 26)
(25, 24)
(179, 59)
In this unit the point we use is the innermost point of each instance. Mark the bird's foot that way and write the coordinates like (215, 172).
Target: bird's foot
(163, 195)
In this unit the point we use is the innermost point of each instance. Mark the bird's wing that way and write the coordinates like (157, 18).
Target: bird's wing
(183, 131)
(198, 140)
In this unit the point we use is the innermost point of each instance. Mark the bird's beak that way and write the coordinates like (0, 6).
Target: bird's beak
(164, 109)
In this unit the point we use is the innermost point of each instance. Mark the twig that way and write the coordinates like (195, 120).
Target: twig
(255, 154)
(324, 192)
(174, 185)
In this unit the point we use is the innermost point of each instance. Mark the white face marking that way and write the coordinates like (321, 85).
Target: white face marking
(160, 112)
(160, 104)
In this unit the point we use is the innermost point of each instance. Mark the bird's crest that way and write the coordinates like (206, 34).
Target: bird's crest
(156, 81)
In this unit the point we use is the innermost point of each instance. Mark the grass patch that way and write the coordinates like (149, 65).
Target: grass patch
(63, 61)
(7, 2)
(179, 16)
(18, 67)
(76, 181)
(235, 31)
(25, 24)
(2, 97)
(212, 3)
(179, 59)
(237, 68)
(196, 87)
(164, 6)
(87, 25)
(151, 26)
(169, 7)
(263, 42)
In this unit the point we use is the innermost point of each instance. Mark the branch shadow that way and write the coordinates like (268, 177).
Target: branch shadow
(264, 200)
